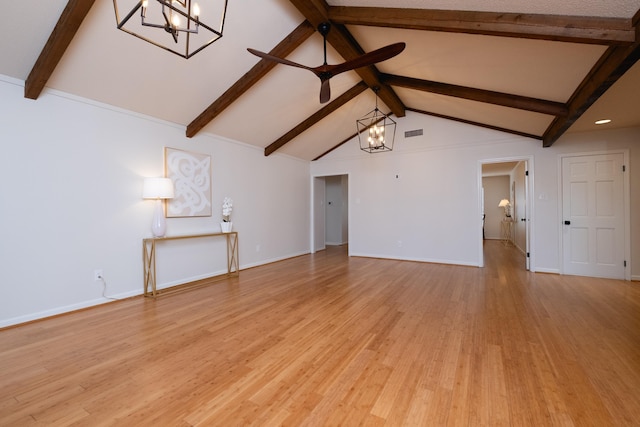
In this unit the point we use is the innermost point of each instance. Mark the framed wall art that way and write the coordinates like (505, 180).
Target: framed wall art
(191, 176)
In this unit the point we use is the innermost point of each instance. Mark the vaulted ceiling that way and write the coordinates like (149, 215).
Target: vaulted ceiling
(536, 69)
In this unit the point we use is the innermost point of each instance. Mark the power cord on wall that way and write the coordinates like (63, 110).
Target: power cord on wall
(104, 288)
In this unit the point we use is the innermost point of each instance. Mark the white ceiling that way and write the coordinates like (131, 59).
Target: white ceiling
(497, 169)
(112, 67)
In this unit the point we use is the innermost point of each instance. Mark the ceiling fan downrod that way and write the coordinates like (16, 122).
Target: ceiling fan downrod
(323, 29)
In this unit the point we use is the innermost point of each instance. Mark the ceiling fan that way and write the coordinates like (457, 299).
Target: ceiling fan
(325, 71)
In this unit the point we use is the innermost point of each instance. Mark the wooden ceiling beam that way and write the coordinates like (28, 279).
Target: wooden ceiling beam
(611, 66)
(283, 49)
(317, 12)
(316, 117)
(616, 61)
(574, 29)
(480, 95)
(72, 16)
(469, 122)
(342, 40)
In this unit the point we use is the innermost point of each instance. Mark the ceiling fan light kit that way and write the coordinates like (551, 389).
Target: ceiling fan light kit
(182, 27)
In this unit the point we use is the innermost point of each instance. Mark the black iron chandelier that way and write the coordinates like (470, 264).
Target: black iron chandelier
(376, 130)
(179, 26)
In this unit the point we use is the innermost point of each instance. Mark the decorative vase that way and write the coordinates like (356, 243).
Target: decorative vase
(226, 226)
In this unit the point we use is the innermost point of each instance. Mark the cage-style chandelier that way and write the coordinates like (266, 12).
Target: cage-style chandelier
(180, 26)
(376, 130)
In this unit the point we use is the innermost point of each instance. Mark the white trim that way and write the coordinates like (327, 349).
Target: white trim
(312, 210)
(11, 80)
(424, 260)
(529, 202)
(110, 298)
(65, 309)
(270, 260)
(105, 106)
(548, 270)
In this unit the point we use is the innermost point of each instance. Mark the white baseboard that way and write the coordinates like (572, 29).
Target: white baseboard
(65, 309)
(271, 260)
(427, 260)
(547, 270)
(98, 301)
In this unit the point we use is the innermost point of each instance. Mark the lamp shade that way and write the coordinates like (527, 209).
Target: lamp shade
(503, 203)
(157, 188)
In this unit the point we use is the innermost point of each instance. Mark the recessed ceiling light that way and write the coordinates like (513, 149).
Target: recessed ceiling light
(603, 122)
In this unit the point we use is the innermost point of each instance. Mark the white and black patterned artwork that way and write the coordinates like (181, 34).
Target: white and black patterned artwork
(191, 176)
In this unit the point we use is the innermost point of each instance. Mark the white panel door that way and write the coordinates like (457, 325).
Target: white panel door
(593, 215)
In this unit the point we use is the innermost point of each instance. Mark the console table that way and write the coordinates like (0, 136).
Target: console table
(149, 256)
(506, 227)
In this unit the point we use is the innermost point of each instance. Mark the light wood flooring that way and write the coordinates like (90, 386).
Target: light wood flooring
(328, 340)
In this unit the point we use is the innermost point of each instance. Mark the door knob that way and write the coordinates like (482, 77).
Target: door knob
(567, 223)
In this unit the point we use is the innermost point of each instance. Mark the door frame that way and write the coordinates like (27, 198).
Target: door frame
(626, 194)
(320, 199)
(529, 207)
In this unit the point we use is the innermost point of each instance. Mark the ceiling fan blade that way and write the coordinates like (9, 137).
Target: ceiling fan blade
(325, 71)
(278, 59)
(325, 91)
(369, 58)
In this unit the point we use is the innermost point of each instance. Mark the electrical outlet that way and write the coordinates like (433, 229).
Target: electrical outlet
(97, 275)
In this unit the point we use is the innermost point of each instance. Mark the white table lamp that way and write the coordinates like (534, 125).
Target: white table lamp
(506, 204)
(158, 189)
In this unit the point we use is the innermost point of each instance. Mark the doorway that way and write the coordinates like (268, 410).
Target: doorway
(330, 222)
(505, 205)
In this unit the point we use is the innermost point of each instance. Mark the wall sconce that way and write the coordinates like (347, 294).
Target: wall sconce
(158, 189)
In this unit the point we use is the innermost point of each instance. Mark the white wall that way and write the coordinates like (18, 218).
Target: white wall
(421, 201)
(71, 175)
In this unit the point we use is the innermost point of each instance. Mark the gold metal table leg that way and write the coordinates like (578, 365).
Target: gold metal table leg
(149, 263)
(232, 254)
